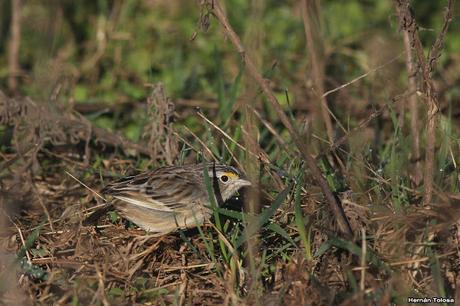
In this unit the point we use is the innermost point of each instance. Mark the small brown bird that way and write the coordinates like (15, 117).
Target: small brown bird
(169, 198)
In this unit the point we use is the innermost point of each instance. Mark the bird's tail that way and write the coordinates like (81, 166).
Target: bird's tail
(95, 216)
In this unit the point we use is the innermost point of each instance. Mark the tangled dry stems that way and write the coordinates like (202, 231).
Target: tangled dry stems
(113, 264)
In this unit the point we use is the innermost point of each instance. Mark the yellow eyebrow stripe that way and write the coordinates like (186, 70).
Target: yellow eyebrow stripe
(231, 175)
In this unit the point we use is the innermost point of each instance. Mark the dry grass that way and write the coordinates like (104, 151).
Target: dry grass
(64, 262)
(342, 221)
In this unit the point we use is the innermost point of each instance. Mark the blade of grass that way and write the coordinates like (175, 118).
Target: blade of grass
(264, 216)
(371, 256)
(29, 242)
(274, 227)
(437, 274)
(240, 216)
(299, 219)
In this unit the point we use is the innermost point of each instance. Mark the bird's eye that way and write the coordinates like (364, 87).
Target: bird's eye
(224, 178)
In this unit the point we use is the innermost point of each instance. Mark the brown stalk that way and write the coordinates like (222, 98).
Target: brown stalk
(13, 46)
(335, 206)
(413, 107)
(427, 66)
(253, 39)
(311, 22)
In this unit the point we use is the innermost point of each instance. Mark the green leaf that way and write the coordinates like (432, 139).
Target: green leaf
(32, 270)
(30, 241)
(113, 216)
(269, 212)
(326, 245)
(74, 300)
(81, 93)
(231, 213)
(116, 291)
(274, 227)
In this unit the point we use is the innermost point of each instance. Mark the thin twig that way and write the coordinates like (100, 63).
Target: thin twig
(21, 236)
(86, 186)
(327, 93)
(415, 260)
(205, 147)
(311, 22)
(260, 155)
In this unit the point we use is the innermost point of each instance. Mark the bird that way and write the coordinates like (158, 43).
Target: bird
(169, 198)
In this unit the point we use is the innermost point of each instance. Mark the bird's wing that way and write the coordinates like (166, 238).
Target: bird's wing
(141, 200)
(153, 191)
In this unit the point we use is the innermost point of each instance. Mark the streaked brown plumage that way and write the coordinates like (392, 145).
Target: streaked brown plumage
(169, 198)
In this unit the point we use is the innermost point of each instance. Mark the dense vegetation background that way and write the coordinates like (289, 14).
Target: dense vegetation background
(116, 87)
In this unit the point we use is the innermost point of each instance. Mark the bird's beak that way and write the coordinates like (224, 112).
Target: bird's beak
(243, 182)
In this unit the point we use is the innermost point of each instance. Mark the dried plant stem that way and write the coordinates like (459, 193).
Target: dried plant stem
(335, 206)
(430, 154)
(310, 16)
(14, 44)
(413, 107)
(362, 283)
(21, 236)
(253, 39)
(427, 65)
